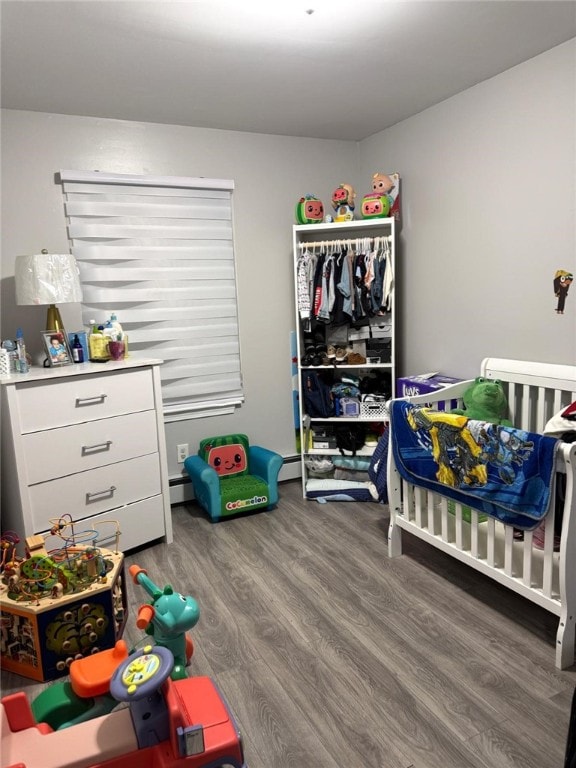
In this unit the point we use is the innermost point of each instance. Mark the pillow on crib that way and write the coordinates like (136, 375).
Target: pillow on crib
(562, 423)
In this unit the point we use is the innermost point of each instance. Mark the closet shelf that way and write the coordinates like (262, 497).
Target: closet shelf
(341, 366)
(344, 290)
(367, 450)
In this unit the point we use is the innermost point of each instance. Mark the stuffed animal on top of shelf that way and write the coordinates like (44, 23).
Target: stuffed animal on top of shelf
(384, 200)
(382, 183)
(485, 400)
(309, 210)
(343, 202)
(375, 206)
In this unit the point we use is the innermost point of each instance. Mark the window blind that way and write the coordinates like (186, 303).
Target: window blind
(159, 251)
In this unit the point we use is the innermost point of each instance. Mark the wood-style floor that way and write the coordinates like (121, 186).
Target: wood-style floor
(331, 655)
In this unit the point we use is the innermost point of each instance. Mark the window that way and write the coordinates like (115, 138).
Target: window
(159, 252)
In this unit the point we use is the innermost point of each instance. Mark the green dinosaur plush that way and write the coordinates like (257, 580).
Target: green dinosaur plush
(485, 400)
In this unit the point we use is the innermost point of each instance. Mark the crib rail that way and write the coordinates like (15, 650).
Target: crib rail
(537, 565)
(534, 394)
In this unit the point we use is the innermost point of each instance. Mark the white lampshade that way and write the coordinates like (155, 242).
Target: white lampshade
(48, 278)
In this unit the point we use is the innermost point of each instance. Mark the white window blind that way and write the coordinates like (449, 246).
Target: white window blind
(159, 252)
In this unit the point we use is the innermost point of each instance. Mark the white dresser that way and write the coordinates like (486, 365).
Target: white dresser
(86, 442)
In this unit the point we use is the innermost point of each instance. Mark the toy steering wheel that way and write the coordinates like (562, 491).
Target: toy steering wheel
(142, 673)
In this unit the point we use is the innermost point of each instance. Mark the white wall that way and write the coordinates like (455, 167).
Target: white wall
(270, 174)
(489, 193)
(489, 215)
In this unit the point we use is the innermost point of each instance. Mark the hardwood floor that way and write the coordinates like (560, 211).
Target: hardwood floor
(331, 655)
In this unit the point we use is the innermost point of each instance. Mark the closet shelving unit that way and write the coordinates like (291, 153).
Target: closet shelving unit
(322, 236)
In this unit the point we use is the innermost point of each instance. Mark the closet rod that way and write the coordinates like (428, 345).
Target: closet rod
(373, 241)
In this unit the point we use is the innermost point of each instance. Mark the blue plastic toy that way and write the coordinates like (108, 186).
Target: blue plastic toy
(167, 618)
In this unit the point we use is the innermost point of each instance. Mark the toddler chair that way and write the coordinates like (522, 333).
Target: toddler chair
(230, 476)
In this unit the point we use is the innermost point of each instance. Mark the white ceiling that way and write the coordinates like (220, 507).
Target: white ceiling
(345, 71)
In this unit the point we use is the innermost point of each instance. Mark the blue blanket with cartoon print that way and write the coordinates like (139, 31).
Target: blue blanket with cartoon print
(504, 472)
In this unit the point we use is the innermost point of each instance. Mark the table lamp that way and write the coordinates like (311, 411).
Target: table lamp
(48, 278)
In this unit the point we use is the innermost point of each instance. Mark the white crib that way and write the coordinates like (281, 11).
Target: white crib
(536, 392)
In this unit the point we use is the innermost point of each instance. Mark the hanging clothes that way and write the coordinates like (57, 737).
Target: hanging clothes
(343, 304)
(327, 297)
(388, 277)
(318, 285)
(305, 270)
(362, 303)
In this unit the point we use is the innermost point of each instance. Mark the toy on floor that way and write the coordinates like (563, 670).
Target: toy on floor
(9, 540)
(167, 619)
(167, 724)
(61, 603)
(230, 476)
(87, 694)
(485, 400)
(74, 565)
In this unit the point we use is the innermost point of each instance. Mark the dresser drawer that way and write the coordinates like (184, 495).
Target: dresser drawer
(95, 491)
(139, 523)
(75, 399)
(58, 452)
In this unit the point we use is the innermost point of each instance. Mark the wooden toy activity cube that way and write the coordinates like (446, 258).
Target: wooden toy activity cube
(59, 606)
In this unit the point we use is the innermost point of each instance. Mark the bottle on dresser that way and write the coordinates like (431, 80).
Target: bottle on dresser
(98, 344)
(118, 333)
(22, 360)
(77, 351)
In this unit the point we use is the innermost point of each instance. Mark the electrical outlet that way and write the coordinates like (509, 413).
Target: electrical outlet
(182, 452)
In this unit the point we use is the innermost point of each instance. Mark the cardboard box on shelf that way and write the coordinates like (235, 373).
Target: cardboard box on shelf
(422, 384)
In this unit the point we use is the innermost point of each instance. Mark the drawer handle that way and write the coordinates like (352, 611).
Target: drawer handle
(96, 400)
(90, 497)
(90, 449)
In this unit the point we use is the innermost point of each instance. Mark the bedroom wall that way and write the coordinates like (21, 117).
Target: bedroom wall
(489, 193)
(489, 215)
(270, 174)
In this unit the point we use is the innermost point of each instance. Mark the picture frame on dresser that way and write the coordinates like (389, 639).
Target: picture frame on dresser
(57, 348)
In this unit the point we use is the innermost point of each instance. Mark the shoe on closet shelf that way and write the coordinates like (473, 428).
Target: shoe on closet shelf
(320, 465)
(355, 358)
(331, 352)
(341, 356)
(307, 357)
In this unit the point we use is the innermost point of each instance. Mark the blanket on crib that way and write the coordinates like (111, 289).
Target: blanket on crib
(504, 472)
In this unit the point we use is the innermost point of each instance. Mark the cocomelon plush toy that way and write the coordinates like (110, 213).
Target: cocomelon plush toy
(375, 206)
(309, 210)
(384, 200)
(343, 202)
(382, 183)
